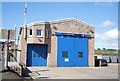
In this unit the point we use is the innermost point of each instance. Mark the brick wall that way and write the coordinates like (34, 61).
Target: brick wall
(22, 45)
(63, 27)
(73, 27)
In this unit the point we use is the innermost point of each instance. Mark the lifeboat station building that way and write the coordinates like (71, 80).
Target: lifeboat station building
(58, 43)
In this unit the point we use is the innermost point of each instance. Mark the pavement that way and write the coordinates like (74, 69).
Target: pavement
(109, 72)
(10, 75)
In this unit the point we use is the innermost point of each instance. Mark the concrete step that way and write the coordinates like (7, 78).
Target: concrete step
(28, 78)
(35, 74)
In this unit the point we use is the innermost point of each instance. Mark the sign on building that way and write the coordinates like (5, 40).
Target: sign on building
(4, 33)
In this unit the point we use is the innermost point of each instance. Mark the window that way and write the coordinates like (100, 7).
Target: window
(80, 54)
(30, 32)
(65, 54)
(38, 55)
(39, 33)
(46, 35)
(34, 54)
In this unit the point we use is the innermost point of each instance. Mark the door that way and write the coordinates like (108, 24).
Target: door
(36, 55)
(80, 50)
(65, 51)
(72, 51)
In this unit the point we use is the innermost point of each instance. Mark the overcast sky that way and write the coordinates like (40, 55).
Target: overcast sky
(103, 15)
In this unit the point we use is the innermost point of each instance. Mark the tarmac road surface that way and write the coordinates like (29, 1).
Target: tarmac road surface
(109, 72)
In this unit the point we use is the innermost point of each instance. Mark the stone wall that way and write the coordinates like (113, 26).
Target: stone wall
(23, 47)
(52, 56)
(91, 52)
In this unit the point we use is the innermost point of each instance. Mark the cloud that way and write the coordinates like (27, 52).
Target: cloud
(103, 3)
(108, 39)
(108, 46)
(1, 27)
(114, 44)
(97, 36)
(108, 35)
(107, 23)
(111, 35)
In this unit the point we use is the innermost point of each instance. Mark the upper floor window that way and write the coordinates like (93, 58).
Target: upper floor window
(46, 35)
(39, 33)
(30, 32)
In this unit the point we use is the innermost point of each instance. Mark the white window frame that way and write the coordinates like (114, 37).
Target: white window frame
(41, 33)
(29, 33)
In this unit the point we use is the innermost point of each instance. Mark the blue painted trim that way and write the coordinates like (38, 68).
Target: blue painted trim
(72, 34)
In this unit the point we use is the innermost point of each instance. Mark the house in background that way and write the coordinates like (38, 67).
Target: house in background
(62, 43)
(111, 55)
(111, 58)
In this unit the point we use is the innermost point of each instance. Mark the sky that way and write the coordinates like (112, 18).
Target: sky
(103, 15)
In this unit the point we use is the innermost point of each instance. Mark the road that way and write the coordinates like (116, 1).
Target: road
(109, 72)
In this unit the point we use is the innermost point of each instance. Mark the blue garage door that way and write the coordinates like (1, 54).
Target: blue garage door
(36, 55)
(72, 51)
